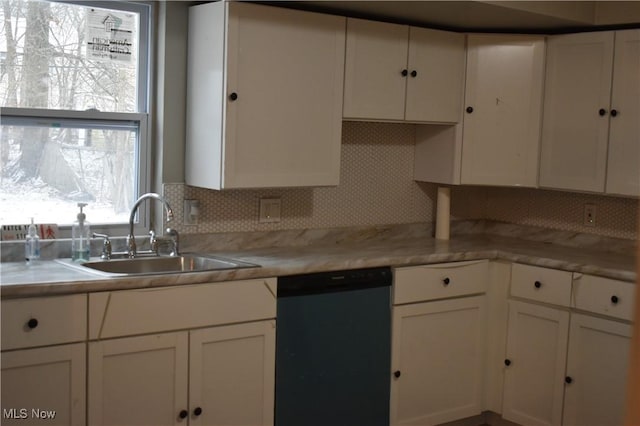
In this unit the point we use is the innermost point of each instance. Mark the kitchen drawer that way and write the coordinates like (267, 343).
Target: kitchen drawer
(603, 296)
(541, 284)
(440, 281)
(130, 312)
(43, 321)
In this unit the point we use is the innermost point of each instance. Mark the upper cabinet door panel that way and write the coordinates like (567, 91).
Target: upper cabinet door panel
(576, 111)
(436, 75)
(623, 170)
(287, 69)
(265, 89)
(503, 99)
(374, 86)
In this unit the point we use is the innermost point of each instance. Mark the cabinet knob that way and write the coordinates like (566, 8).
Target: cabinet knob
(183, 414)
(446, 281)
(404, 73)
(614, 112)
(537, 284)
(614, 300)
(397, 374)
(602, 112)
(568, 380)
(507, 362)
(414, 73)
(233, 96)
(469, 110)
(32, 323)
(197, 411)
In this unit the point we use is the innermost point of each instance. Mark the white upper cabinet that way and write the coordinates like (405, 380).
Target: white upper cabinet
(265, 90)
(591, 112)
(503, 103)
(576, 123)
(623, 170)
(498, 143)
(399, 73)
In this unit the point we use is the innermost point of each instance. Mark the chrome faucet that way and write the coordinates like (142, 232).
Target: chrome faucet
(131, 240)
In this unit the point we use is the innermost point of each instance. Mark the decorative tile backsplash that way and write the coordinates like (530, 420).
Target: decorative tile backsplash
(377, 188)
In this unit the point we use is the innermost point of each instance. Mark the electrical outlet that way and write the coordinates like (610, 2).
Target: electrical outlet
(270, 209)
(191, 211)
(589, 215)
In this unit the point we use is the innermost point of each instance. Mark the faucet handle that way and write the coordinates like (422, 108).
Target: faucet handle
(175, 237)
(106, 245)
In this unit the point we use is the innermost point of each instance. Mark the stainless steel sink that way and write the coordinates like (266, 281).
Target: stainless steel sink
(158, 265)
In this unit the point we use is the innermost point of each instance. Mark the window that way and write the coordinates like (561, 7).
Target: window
(74, 96)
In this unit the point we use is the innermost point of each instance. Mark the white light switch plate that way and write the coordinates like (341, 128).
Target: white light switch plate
(270, 209)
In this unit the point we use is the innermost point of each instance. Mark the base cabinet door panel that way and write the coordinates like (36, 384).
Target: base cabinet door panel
(138, 380)
(44, 386)
(232, 375)
(535, 364)
(597, 366)
(437, 361)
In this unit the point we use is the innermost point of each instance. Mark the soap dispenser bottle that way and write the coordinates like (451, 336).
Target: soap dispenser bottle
(32, 244)
(80, 234)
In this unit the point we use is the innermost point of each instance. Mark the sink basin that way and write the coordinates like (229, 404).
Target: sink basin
(158, 265)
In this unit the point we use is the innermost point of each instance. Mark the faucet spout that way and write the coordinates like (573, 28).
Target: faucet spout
(131, 241)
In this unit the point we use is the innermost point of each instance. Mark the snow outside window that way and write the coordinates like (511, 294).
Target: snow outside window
(74, 98)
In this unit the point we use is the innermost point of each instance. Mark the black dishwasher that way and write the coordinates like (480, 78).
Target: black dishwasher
(333, 349)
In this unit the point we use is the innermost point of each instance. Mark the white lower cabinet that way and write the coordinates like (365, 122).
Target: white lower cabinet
(438, 342)
(534, 364)
(215, 376)
(437, 361)
(564, 366)
(597, 367)
(44, 386)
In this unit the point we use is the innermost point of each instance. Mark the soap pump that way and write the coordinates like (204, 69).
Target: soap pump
(32, 244)
(80, 234)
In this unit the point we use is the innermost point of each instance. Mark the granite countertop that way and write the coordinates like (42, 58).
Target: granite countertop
(50, 277)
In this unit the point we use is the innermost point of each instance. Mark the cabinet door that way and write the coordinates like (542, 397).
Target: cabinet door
(536, 354)
(623, 170)
(574, 133)
(232, 371)
(44, 386)
(265, 91)
(437, 361)
(503, 101)
(436, 75)
(138, 380)
(374, 87)
(597, 365)
(286, 67)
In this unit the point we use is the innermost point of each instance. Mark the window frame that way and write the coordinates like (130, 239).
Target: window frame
(24, 116)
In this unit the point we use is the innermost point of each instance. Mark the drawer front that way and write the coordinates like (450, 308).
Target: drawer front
(440, 281)
(604, 296)
(130, 312)
(541, 284)
(43, 321)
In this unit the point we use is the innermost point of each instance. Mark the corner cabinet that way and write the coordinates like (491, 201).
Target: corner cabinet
(400, 73)
(503, 108)
(592, 104)
(498, 141)
(264, 96)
